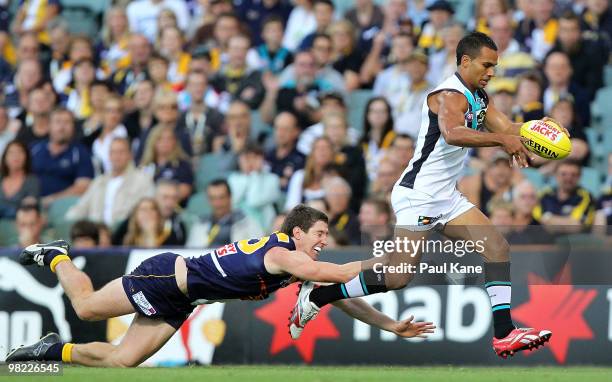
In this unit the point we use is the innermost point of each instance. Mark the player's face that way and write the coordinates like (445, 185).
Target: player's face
(481, 69)
(315, 239)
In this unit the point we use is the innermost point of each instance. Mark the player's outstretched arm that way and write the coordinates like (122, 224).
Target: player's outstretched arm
(280, 260)
(364, 312)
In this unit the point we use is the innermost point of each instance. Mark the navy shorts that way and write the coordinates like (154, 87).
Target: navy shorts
(152, 290)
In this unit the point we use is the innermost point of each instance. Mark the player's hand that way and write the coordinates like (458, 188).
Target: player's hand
(515, 147)
(407, 328)
(546, 119)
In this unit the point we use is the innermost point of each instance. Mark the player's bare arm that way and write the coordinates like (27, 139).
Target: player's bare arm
(451, 107)
(364, 312)
(302, 266)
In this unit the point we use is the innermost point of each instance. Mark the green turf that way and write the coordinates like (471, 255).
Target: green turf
(272, 373)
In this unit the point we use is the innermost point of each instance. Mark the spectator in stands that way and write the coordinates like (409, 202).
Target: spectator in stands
(238, 124)
(226, 27)
(283, 158)
(395, 77)
(402, 149)
(91, 126)
(205, 27)
(16, 179)
(324, 15)
(300, 24)
(225, 225)
(111, 196)
(146, 227)
(236, 80)
(63, 166)
(443, 63)
(494, 183)
(563, 112)
(603, 216)
(167, 197)
(321, 49)
(199, 122)
(486, 10)
(34, 16)
(387, 173)
(558, 72)
(7, 133)
(597, 17)
(255, 13)
(524, 199)
(166, 113)
(440, 14)
(501, 213)
(28, 75)
(142, 119)
(171, 47)
(378, 133)
(538, 34)
(84, 235)
(568, 207)
(528, 104)
(166, 19)
(111, 128)
(502, 94)
(157, 70)
(512, 60)
(142, 15)
(278, 222)
(113, 47)
(35, 126)
(305, 184)
(125, 78)
(349, 157)
(255, 190)
(273, 56)
(375, 219)
(77, 95)
(28, 47)
(588, 53)
(346, 58)
(81, 49)
(343, 223)
(367, 18)
(59, 34)
(163, 158)
(29, 223)
(331, 103)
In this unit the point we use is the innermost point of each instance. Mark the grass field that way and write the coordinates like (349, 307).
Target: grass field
(332, 374)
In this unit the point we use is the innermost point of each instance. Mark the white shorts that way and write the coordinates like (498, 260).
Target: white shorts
(418, 211)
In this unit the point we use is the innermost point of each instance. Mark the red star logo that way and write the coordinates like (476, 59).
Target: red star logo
(276, 313)
(558, 308)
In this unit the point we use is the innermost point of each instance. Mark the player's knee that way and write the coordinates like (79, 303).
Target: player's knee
(117, 359)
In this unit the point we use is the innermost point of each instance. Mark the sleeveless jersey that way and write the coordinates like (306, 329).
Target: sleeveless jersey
(236, 271)
(436, 165)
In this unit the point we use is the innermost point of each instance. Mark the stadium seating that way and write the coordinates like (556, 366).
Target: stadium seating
(209, 168)
(84, 16)
(57, 215)
(357, 101)
(535, 177)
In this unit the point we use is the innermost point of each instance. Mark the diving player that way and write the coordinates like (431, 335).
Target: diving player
(425, 197)
(164, 289)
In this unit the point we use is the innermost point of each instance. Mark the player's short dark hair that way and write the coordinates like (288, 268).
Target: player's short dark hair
(85, 228)
(303, 217)
(472, 43)
(220, 182)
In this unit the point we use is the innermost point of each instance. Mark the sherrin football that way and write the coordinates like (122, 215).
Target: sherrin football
(546, 139)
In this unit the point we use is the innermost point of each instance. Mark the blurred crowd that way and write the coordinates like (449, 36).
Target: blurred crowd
(200, 122)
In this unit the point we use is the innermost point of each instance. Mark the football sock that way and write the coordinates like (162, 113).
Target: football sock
(54, 257)
(60, 352)
(498, 286)
(365, 283)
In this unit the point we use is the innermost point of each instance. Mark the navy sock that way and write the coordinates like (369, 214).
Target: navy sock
(50, 255)
(54, 353)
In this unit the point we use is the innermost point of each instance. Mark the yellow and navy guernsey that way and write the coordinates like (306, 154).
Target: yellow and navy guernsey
(237, 271)
(580, 205)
